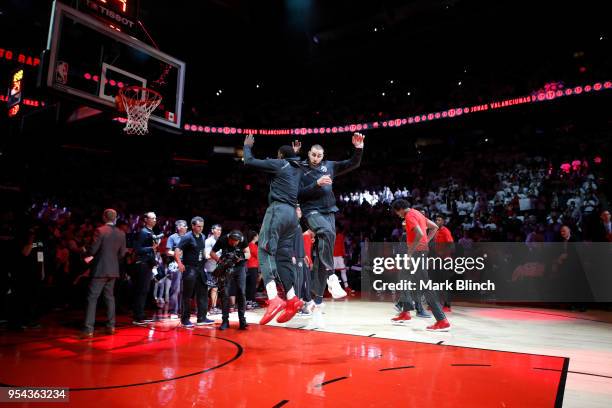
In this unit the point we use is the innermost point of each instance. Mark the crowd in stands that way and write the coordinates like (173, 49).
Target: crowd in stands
(496, 192)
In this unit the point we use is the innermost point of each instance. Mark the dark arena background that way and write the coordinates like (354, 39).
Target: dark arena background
(488, 130)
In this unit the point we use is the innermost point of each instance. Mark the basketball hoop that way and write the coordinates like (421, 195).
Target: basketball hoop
(138, 103)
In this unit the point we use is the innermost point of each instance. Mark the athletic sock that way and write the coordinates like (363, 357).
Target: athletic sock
(290, 293)
(271, 290)
(344, 278)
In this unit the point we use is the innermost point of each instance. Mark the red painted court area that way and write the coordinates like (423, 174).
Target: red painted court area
(271, 366)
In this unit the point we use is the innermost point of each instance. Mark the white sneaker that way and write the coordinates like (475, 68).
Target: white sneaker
(174, 317)
(333, 284)
(316, 319)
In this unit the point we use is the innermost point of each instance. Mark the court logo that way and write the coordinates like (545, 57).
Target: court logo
(61, 73)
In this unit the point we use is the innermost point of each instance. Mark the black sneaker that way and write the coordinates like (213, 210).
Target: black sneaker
(205, 322)
(243, 325)
(86, 335)
(188, 325)
(224, 325)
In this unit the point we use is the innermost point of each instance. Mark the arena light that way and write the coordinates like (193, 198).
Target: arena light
(539, 96)
(10, 55)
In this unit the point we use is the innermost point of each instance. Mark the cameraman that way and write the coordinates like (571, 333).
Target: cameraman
(145, 245)
(232, 264)
(191, 250)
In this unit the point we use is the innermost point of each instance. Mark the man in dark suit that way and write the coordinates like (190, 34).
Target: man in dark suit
(105, 254)
(145, 247)
(603, 229)
(569, 265)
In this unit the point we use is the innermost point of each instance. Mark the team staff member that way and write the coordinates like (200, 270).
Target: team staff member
(107, 250)
(144, 249)
(189, 255)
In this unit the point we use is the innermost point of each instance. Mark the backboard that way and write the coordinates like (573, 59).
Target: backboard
(90, 60)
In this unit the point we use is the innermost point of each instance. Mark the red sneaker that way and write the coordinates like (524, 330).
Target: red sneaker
(401, 318)
(293, 306)
(274, 306)
(440, 326)
(446, 309)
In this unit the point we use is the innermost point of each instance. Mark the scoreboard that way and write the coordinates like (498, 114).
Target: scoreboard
(120, 14)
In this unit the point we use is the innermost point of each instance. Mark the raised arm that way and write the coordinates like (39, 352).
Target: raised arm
(269, 165)
(344, 166)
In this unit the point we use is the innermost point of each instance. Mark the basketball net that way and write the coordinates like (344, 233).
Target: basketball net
(138, 103)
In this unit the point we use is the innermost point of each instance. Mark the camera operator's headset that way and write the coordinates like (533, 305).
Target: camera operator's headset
(237, 235)
(221, 268)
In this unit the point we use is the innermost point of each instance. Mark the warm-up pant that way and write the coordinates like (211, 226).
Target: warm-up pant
(324, 227)
(420, 275)
(280, 222)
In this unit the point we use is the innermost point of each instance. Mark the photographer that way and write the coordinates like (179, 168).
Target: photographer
(145, 245)
(189, 255)
(231, 267)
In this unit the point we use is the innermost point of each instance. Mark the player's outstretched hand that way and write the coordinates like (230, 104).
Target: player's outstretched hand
(358, 140)
(297, 145)
(249, 140)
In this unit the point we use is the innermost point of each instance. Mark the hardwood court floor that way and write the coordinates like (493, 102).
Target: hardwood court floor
(165, 365)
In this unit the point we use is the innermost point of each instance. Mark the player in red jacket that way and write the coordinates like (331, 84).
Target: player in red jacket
(419, 231)
(339, 254)
(443, 246)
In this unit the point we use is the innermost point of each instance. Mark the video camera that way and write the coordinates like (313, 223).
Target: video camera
(227, 261)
